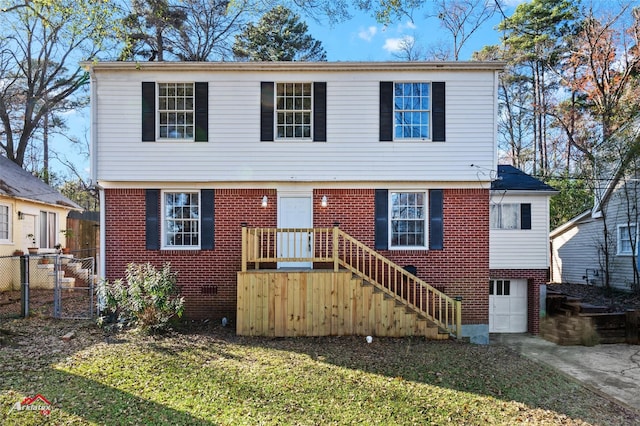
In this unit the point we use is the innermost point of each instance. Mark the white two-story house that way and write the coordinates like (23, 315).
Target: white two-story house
(188, 156)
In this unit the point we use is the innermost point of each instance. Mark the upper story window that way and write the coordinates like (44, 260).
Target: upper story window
(176, 110)
(293, 110)
(5, 223)
(181, 220)
(627, 237)
(408, 219)
(412, 110)
(510, 216)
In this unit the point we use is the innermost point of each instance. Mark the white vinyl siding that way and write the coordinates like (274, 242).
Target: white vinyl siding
(522, 248)
(574, 251)
(352, 152)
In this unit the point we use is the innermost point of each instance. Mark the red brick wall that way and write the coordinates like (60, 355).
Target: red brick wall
(535, 278)
(207, 278)
(461, 269)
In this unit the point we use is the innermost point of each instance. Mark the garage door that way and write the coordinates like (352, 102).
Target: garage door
(507, 306)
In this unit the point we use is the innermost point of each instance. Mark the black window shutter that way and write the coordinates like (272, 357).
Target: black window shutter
(382, 219)
(148, 111)
(436, 226)
(386, 111)
(202, 112)
(152, 211)
(525, 216)
(208, 219)
(438, 111)
(266, 111)
(320, 111)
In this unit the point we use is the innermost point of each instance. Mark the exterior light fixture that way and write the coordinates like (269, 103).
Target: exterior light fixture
(265, 201)
(20, 216)
(323, 202)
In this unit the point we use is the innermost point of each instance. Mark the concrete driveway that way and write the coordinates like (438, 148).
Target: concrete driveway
(612, 370)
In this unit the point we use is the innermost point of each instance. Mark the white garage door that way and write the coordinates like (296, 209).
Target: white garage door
(508, 306)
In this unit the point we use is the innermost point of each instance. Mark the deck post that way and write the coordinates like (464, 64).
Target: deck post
(458, 303)
(335, 247)
(244, 249)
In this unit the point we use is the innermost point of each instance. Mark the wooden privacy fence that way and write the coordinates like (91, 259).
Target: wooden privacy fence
(332, 245)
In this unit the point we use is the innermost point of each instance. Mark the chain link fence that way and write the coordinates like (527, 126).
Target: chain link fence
(50, 285)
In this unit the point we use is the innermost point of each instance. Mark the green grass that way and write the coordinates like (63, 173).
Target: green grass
(214, 377)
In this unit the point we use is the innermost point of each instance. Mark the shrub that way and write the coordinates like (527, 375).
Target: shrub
(146, 298)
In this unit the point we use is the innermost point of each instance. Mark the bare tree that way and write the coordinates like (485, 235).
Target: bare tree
(462, 18)
(42, 42)
(207, 30)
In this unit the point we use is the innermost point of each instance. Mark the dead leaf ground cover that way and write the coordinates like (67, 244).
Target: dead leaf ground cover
(207, 375)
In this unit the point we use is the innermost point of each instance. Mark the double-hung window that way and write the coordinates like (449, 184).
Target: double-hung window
(176, 110)
(181, 219)
(510, 216)
(505, 216)
(408, 219)
(412, 111)
(293, 111)
(627, 238)
(5, 223)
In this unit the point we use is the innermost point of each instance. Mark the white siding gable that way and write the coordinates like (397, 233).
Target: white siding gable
(352, 152)
(521, 248)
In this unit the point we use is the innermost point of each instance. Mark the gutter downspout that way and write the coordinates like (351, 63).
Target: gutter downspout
(93, 150)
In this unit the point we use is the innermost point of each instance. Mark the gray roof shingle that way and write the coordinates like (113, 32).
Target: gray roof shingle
(17, 182)
(513, 179)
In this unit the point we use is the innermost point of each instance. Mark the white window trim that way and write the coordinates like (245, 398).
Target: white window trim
(430, 111)
(9, 238)
(163, 245)
(275, 113)
(619, 228)
(193, 111)
(426, 220)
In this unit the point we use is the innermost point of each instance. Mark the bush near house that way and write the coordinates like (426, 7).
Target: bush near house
(147, 298)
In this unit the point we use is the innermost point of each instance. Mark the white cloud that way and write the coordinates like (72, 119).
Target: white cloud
(395, 44)
(409, 25)
(368, 33)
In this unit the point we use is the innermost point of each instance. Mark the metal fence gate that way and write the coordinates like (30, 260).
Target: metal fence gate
(74, 288)
(50, 285)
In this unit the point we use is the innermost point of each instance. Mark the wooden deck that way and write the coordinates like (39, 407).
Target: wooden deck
(362, 292)
(287, 303)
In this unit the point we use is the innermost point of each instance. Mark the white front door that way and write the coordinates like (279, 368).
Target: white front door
(294, 211)
(508, 306)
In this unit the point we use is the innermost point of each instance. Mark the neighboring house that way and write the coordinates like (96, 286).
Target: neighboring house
(32, 214)
(28, 206)
(583, 250)
(519, 250)
(187, 154)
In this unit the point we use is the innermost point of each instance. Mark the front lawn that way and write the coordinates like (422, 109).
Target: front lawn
(210, 376)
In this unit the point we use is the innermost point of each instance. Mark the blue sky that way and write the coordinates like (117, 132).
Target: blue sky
(359, 39)
(364, 39)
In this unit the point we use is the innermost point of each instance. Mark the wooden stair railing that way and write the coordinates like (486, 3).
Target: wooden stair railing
(331, 245)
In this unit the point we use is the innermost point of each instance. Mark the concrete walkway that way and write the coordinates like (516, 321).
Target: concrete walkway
(612, 370)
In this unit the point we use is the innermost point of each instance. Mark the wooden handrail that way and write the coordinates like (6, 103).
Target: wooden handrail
(261, 245)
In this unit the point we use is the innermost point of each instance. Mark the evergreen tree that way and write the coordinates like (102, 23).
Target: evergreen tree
(278, 36)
